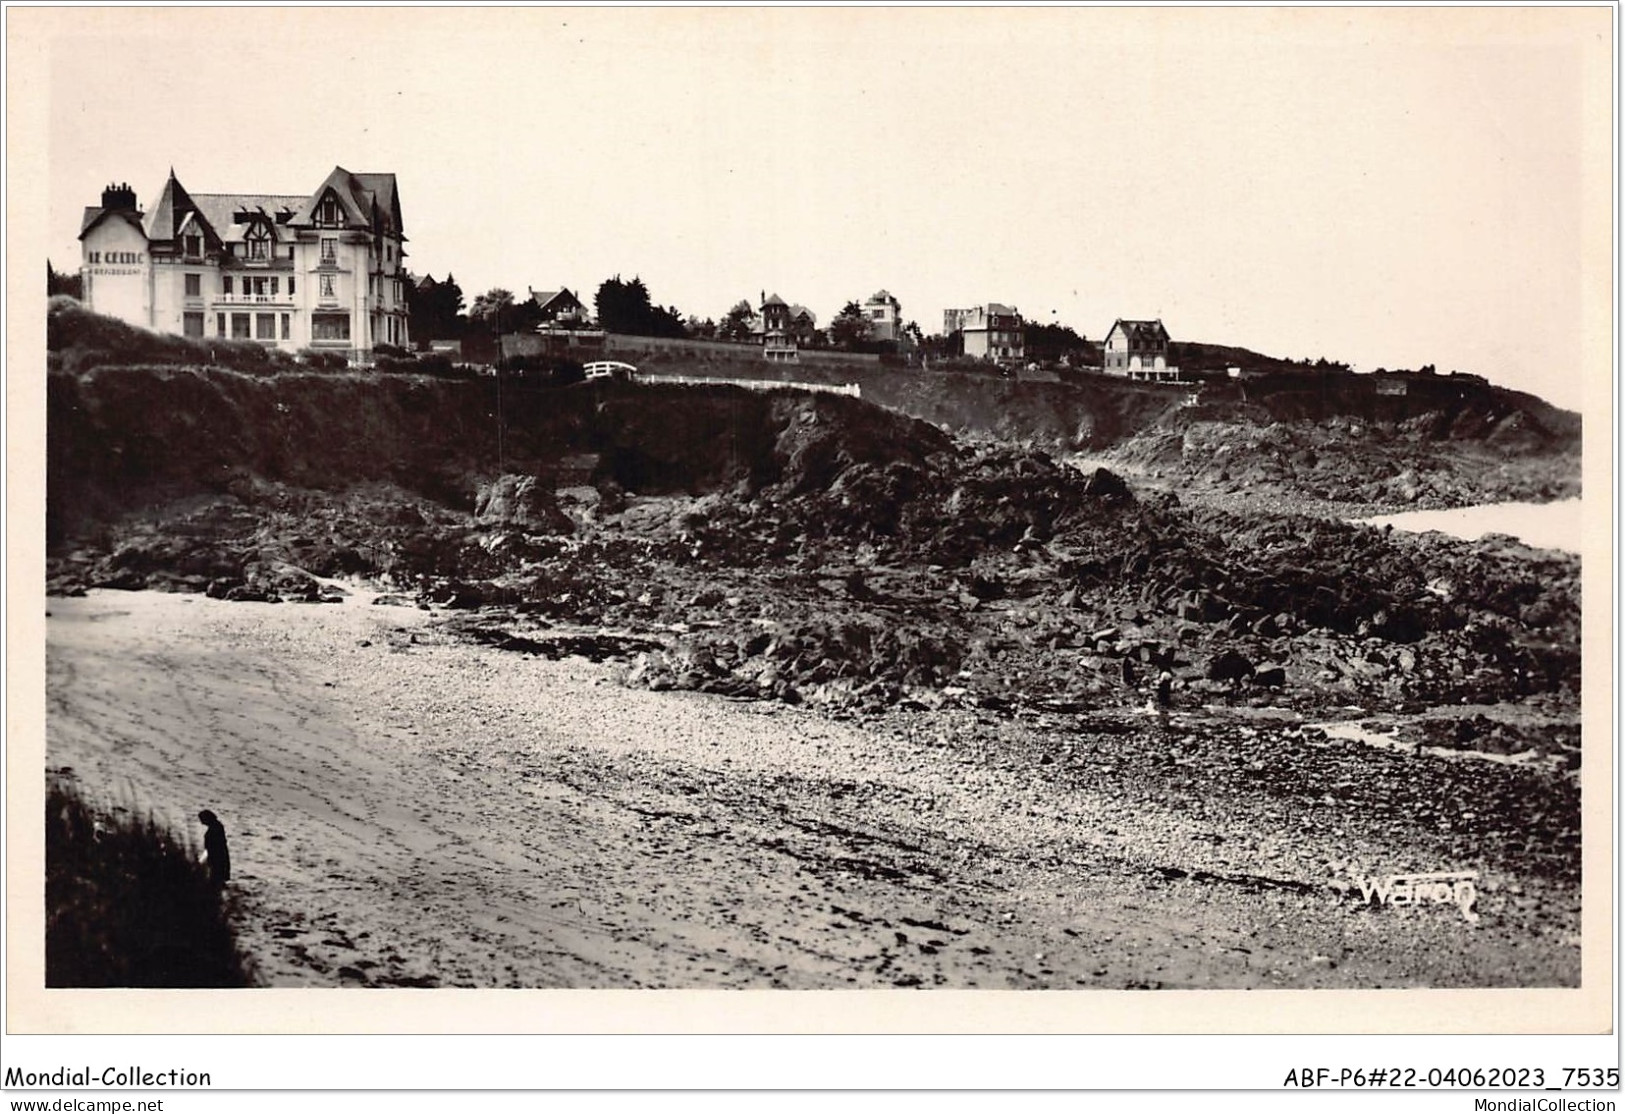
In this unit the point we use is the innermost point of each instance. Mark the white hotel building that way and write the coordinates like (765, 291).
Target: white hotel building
(321, 271)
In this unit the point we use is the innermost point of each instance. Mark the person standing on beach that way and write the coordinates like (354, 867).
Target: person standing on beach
(1165, 686)
(214, 848)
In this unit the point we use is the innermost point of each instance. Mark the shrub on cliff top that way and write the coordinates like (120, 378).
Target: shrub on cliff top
(83, 340)
(323, 361)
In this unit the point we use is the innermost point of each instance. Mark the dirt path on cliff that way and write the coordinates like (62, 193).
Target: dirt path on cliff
(406, 809)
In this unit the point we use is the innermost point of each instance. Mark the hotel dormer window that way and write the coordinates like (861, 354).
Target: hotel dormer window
(194, 246)
(328, 212)
(259, 242)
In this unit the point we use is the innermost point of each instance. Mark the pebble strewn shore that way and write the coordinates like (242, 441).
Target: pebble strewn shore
(407, 809)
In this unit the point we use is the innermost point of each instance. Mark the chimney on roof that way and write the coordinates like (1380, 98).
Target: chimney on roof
(118, 197)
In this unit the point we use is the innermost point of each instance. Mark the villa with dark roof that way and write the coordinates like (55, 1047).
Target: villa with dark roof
(1138, 350)
(992, 332)
(784, 329)
(559, 307)
(322, 270)
(885, 316)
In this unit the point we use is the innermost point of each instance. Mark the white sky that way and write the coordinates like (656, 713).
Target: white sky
(1390, 187)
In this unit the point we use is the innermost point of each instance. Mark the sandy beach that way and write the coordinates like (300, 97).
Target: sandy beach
(406, 809)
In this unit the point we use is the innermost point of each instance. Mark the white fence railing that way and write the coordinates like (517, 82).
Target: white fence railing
(1151, 374)
(253, 299)
(850, 390)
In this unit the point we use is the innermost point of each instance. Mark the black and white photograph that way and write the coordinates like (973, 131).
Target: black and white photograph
(919, 501)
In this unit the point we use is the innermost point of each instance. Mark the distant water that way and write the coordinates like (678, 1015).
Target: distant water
(1542, 525)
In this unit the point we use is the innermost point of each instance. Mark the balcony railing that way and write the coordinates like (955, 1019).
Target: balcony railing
(253, 299)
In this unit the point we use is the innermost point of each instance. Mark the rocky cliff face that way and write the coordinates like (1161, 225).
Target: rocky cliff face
(888, 553)
(121, 438)
(1443, 444)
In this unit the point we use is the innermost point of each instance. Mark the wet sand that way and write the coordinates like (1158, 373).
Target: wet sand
(409, 810)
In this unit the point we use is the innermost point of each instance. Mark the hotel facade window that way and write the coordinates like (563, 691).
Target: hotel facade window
(192, 324)
(194, 285)
(330, 326)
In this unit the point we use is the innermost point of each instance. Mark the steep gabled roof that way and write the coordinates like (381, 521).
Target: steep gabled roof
(772, 300)
(95, 214)
(368, 200)
(563, 297)
(176, 211)
(382, 189)
(1139, 331)
(797, 311)
(354, 198)
(164, 218)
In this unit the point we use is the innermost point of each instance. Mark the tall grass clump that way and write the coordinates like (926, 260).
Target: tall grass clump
(128, 904)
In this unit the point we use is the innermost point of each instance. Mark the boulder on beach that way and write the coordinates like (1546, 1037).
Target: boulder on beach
(1103, 484)
(1228, 665)
(521, 501)
(1270, 676)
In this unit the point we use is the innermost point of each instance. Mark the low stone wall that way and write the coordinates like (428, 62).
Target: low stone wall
(851, 390)
(579, 345)
(624, 344)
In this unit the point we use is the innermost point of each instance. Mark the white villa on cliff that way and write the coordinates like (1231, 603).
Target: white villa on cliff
(321, 270)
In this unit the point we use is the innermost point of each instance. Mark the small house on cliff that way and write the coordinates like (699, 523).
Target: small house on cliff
(1138, 350)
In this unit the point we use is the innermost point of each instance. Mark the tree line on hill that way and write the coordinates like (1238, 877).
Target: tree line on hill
(626, 307)
(438, 311)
